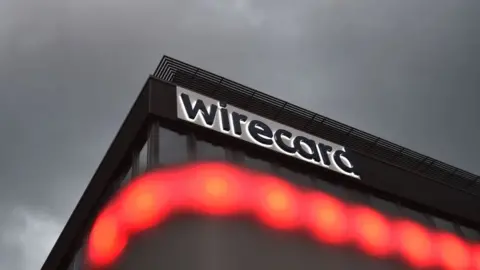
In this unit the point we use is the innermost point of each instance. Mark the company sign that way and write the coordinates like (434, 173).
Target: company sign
(219, 116)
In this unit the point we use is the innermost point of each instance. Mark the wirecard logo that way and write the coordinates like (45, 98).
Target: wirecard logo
(252, 128)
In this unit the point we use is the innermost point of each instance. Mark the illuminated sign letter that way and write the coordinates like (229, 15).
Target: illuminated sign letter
(219, 116)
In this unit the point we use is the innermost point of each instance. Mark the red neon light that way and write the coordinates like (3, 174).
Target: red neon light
(107, 240)
(372, 232)
(326, 218)
(414, 244)
(220, 189)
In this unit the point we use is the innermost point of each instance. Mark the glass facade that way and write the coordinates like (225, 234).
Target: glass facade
(128, 175)
(172, 147)
(167, 147)
(470, 234)
(444, 225)
(296, 178)
(142, 160)
(209, 152)
(175, 147)
(414, 215)
(256, 163)
(331, 188)
(77, 262)
(386, 207)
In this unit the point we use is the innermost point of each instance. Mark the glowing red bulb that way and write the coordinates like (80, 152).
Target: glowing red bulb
(278, 205)
(452, 252)
(215, 190)
(106, 242)
(142, 205)
(414, 244)
(475, 254)
(326, 218)
(372, 231)
(218, 196)
(219, 189)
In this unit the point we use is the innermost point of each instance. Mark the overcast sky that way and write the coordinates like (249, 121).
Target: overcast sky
(405, 70)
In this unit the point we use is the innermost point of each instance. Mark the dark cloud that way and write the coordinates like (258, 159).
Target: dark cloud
(70, 70)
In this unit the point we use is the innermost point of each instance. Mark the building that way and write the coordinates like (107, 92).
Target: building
(264, 133)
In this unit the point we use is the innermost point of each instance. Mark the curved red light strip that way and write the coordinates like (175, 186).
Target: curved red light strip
(221, 189)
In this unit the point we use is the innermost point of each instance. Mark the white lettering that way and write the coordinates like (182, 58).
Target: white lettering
(252, 128)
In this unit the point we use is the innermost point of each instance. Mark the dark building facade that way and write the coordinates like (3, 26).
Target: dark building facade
(173, 121)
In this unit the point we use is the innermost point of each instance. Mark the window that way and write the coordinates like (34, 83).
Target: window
(143, 159)
(77, 263)
(416, 216)
(470, 234)
(293, 177)
(257, 164)
(386, 207)
(126, 178)
(208, 151)
(72, 264)
(444, 225)
(336, 191)
(342, 192)
(357, 196)
(234, 156)
(172, 147)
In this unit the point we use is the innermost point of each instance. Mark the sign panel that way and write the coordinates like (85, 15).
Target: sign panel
(232, 121)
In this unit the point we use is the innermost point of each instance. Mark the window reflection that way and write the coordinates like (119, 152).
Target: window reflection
(332, 189)
(417, 216)
(357, 196)
(72, 264)
(143, 159)
(234, 156)
(293, 177)
(444, 225)
(470, 234)
(172, 147)
(126, 178)
(342, 192)
(208, 151)
(78, 263)
(386, 207)
(257, 164)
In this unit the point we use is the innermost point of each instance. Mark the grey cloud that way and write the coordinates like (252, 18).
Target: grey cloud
(28, 235)
(70, 70)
